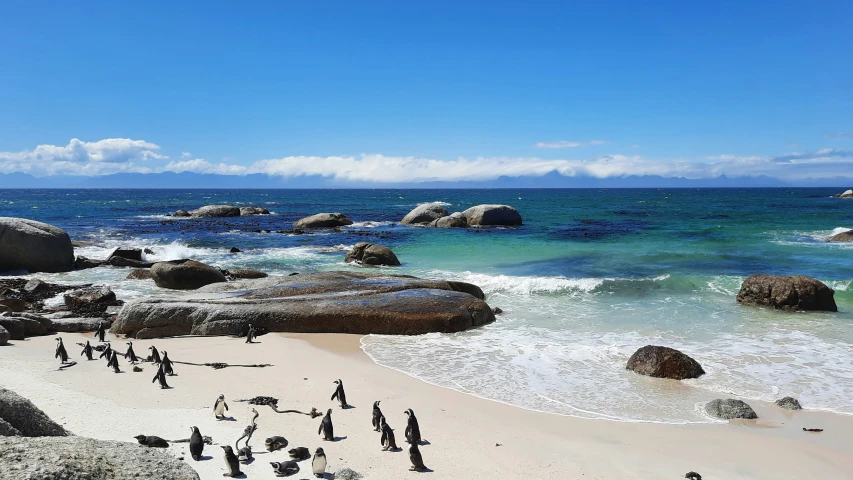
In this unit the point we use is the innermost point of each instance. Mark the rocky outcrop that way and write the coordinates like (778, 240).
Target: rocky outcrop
(323, 220)
(128, 253)
(4, 336)
(140, 274)
(77, 324)
(841, 237)
(188, 275)
(664, 362)
(215, 211)
(247, 211)
(128, 262)
(182, 213)
(325, 302)
(424, 214)
(14, 304)
(244, 273)
(729, 409)
(457, 220)
(492, 215)
(82, 263)
(77, 458)
(34, 246)
(371, 254)
(787, 293)
(93, 299)
(22, 325)
(846, 194)
(26, 418)
(789, 403)
(234, 250)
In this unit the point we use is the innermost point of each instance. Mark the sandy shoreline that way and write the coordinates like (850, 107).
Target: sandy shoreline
(462, 430)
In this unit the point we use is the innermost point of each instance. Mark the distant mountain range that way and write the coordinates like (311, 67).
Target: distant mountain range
(550, 180)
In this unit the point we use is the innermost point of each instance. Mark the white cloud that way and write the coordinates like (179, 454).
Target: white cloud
(186, 155)
(110, 155)
(566, 144)
(200, 165)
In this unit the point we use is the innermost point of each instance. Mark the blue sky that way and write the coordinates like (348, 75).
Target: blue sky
(445, 90)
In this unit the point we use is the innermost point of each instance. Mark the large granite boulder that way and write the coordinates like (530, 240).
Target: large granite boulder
(244, 273)
(77, 324)
(247, 211)
(787, 293)
(26, 418)
(34, 246)
(22, 325)
(424, 214)
(85, 297)
(215, 211)
(324, 302)
(492, 215)
(841, 237)
(457, 220)
(664, 362)
(323, 220)
(188, 275)
(371, 254)
(729, 409)
(78, 458)
(4, 336)
(128, 253)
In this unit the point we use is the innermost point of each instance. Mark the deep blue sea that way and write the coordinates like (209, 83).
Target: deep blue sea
(590, 277)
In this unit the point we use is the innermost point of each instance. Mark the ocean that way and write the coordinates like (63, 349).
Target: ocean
(592, 275)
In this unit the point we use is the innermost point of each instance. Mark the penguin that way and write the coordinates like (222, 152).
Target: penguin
(388, 442)
(275, 443)
(220, 407)
(231, 463)
(114, 362)
(693, 476)
(377, 414)
(130, 354)
(161, 376)
(285, 469)
(196, 444)
(413, 430)
(326, 427)
(101, 332)
(155, 355)
(415, 457)
(340, 394)
(61, 354)
(250, 335)
(299, 453)
(151, 441)
(318, 465)
(87, 350)
(167, 364)
(108, 352)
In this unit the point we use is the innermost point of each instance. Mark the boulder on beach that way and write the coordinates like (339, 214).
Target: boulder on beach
(787, 293)
(90, 298)
(372, 254)
(247, 211)
(79, 324)
(841, 237)
(140, 274)
(34, 246)
(664, 362)
(211, 211)
(450, 221)
(729, 408)
(324, 302)
(26, 418)
(188, 275)
(244, 273)
(79, 458)
(323, 220)
(492, 215)
(424, 214)
(14, 304)
(82, 263)
(4, 336)
(22, 325)
(789, 403)
(182, 213)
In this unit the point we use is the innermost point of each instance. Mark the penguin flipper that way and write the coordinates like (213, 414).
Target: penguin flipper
(320, 430)
(226, 406)
(334, 395)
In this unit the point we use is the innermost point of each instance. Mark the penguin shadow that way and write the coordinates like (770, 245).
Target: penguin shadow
(336, 439)
(328, 476)
(226, 419)
(398, 449)
(348, 407)
(424, 442)
(426, 470)
(205, 458)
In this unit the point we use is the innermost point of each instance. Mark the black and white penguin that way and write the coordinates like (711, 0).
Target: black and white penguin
(196, 444)
(155, 355)
(151, 441)
(318, 465)
(275, 443)
(232, 465)
(388, 442)
(61, 354)
(167, 364)
(250, 335)
(285, 469)
(100, 332)
(114, 362)
(130, 354)
(220, 407)
(377, 414)
(413, 430)
(108, 352)
(87, 350)
(340, 394)
(161, 376)
(299, 453)
(415, 457)
(326, 429)
(693, 476)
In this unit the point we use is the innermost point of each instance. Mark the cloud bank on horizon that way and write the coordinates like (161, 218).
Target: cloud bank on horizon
(121, 155)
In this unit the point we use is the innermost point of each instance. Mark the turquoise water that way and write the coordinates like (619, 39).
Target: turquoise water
(589, 278)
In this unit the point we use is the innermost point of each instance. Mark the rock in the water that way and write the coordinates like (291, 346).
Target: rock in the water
(664, 362)
(424, 214)
(243, 273)
(128, 253)
(787, 293)
(128, 262)
(323, 220)
(28, 419)
(846, 194)
(87, 298)
(325, 302)
(450, 222)
(789, 403)
(234, 250)
(182, 213)
(34, 246)
(188, 275)
(140, 274)
(82, 263)
(4, 336)
(75, 324)
(492, 215)
(841, 237)
(371, 254)
(729, 409)
(78, 458)
(216, 211)
(246, 211)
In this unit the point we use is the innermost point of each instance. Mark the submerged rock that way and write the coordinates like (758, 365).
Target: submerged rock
(664, 362)
(729, 409)
(26, 418)
(182, 213)
(371, 254)
(325, 302)
(492, 215)
(789, 403)
(215, 211)
(188, 275)
(323, 220)
(140, 274)
(841, 237)
(34, 246)
(787, 293)
(424, 214)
